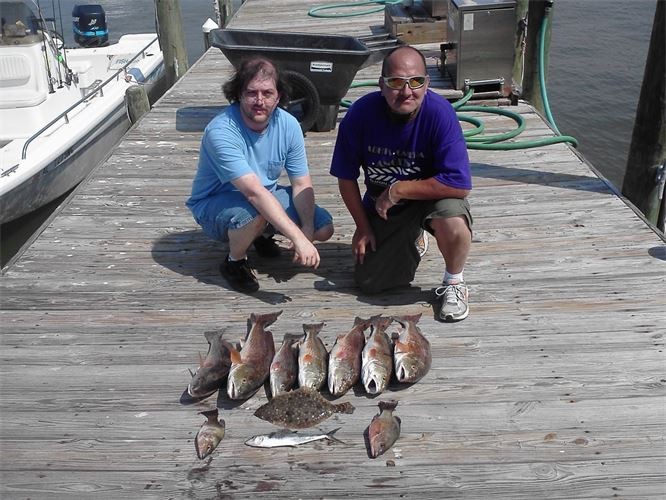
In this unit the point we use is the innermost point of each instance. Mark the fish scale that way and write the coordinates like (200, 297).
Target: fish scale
(299, 409)
(377, 357)
(250, 367)
(344, 365)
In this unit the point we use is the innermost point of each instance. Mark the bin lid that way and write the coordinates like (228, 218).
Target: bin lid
(482, 4)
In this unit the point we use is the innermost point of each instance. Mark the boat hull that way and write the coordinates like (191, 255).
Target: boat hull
(62, 174)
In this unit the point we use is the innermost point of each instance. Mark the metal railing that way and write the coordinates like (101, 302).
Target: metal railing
(97, 89)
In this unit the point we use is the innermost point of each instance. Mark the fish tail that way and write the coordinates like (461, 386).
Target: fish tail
(329, 435)
(212, 335)
(389, 404)
(290, 338)
(313, 328)
(344, 408)
(211, 415)
(264, 319)
(408, 318)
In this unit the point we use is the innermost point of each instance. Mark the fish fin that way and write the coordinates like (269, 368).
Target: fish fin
(313, 328)
(408, 318)
(329, 435)
(264, 319)
(212, 335)
(211, 415)
(344, 408)
(399, 346)
(389, 404)
(201, 359)
(235, 356)
(191, 372)
(307, 358)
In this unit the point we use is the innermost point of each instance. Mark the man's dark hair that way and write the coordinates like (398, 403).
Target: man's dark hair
(248, 70)
(385, 63)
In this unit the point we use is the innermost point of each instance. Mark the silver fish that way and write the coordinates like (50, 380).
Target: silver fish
(344, 361)
(384, 429)
(250, 367)
(210, 434)
(377, 357)
(286, 437)
(411, 352)
(312, 358)
(213, 369)
(284, 367)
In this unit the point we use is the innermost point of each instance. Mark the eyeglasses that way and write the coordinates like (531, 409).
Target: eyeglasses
(253, 96)
(398, 82)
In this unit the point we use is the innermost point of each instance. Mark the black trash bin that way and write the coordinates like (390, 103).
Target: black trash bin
(319, 68)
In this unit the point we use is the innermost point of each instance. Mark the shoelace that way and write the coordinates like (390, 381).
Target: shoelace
(452, 293)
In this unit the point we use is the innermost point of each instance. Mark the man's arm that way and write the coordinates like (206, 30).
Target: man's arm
(266, 204)
(364, 237)
(425, 189)
(304, 201)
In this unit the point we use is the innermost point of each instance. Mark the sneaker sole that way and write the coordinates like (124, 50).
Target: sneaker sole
(449, 318)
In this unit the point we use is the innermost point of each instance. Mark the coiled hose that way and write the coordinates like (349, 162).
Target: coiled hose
(474, 137)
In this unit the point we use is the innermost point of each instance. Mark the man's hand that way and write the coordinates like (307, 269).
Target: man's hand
(305, 253)
(361, 243)
(384, 203)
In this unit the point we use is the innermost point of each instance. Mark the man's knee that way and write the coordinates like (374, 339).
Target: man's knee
(324, 233)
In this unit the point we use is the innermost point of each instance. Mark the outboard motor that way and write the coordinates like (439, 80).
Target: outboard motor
(90, 26)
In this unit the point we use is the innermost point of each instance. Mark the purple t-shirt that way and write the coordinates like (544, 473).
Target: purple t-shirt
(430, 145)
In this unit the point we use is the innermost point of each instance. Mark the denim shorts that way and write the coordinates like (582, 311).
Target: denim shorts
(231, 210)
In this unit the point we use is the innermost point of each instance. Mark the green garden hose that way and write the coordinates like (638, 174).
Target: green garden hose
(474, 137)
(319, 11)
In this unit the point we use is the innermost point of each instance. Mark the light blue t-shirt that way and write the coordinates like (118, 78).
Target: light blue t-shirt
(229, 150)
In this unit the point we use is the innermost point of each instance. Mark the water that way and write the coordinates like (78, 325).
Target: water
(597, 60)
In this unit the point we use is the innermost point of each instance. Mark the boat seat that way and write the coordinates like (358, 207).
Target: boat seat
(17, 88)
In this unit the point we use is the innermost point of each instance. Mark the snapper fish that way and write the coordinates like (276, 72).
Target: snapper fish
(411, 352)
(210, 434)
(286, 437)
(377, 357)
(312, 358)
(250, 367)
(344, 360)
(384, 428)
(213, 369)
(300, 409)
(284, 367)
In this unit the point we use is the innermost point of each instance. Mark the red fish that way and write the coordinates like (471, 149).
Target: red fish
(344, 361)
(411, 352)
(384, 429)
(250, 367)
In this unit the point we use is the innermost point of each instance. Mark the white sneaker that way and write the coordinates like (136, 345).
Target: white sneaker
(455, 297)
(421, 243)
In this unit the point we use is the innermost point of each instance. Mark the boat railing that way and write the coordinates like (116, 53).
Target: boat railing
(96, 89)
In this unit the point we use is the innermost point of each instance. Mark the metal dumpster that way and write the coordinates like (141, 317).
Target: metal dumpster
(319, 68)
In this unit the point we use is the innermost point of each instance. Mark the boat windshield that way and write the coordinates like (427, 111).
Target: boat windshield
(20, 22)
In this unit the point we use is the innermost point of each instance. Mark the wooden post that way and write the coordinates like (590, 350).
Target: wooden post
(225, 10)
(137, 103)
(526, 72)
(643, 181)
(170, 32)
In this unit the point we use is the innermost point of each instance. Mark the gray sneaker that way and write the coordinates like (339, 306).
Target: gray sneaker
(454, 305)
(421, 243)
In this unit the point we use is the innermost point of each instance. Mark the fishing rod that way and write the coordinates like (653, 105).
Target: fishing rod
(44, 48)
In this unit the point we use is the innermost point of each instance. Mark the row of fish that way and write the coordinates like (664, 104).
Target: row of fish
(382, 433)
(304, 360)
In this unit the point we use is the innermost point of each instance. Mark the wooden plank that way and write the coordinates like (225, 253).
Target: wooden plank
(553, 387)
(413, 25)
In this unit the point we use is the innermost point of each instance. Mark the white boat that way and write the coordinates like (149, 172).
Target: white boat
(62, 110)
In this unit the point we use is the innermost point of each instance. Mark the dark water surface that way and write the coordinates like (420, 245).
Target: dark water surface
(597, 59)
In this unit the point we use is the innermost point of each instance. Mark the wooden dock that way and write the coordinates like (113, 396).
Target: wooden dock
(552, 388)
